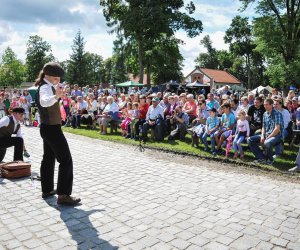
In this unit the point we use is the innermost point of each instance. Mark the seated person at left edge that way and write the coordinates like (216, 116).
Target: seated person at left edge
(10, 125)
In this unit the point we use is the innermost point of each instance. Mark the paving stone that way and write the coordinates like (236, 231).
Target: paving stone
(180, 244)
(245, 242)
(159, 204)
(279, 242)
(215, 245)
(264, 246)
(199, 240)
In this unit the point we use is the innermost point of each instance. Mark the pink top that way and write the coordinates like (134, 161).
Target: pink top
(66, 101)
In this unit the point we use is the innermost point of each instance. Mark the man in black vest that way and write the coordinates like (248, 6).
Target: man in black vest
(10, 125)
(55, 144)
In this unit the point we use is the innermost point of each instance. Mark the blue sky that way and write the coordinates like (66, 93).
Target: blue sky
(57, 22)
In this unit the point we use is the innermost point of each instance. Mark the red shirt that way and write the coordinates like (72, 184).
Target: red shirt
(143, 111)
(189, 106)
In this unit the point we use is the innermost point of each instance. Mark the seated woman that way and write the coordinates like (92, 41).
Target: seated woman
(200, 121)
(107, 115)
(89, 114)
(169, 114)
(190, 107)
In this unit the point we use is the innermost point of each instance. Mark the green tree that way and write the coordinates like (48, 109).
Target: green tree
(119, 71)
(208, 59)
(277, 29)
(166, 61)
(240, 39)
(144, 21)
(106, 72)
(38, 53)
(94, 65)
(12, 71)
(77, 67)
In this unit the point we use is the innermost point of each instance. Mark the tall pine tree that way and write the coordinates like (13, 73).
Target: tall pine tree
(76, 69)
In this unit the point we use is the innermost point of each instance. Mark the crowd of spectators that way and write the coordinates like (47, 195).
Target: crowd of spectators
(263, 122)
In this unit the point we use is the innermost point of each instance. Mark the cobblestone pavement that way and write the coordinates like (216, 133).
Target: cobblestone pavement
(133, 200)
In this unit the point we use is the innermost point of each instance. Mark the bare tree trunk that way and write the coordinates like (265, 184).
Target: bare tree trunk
(148, 74)
(141, 61)
(248, 71)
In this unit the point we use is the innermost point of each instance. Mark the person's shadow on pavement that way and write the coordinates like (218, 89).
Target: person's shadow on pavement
(80, 227)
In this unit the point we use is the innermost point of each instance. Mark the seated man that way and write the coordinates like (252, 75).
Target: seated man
(271, 134)
(181, 119)
(255, 116)
(226, 127)
(10, 125)
(154, 119)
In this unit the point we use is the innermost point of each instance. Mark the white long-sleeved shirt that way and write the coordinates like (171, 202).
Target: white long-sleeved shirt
(4, 122)
(243, 126)
(47, 99)
(286, 117)
(153, 113)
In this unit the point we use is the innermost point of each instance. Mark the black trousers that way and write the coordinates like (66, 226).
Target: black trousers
(17, 142)
(56, 147)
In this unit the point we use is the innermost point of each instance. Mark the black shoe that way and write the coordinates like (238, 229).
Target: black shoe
(68, 200)
(47, 195)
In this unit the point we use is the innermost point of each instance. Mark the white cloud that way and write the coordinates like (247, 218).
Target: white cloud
(100, 44)
(15, 40)
(192, 48)
(216, 17)
(54, 34)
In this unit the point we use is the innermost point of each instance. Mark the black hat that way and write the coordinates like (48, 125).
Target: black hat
(53, 69)
(18, 110)
(213, 110)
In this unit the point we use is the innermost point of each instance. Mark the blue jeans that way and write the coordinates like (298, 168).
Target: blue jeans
(237, 143)
(254, 142)
(212, 140)
(279, 147)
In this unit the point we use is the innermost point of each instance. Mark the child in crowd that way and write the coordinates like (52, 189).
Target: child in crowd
(2, 108)
(134, 119)
(127, 113)
(36, 122)
(212, 125)
(242, 132)
(72, 111)
(25, 105)
(13, 103)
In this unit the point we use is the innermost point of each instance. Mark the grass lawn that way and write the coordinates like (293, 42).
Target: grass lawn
(286, 161)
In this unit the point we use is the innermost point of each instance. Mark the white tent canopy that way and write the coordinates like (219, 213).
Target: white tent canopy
(196, 84)
(260, 89)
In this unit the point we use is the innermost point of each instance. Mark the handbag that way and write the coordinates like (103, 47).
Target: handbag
(15, 169)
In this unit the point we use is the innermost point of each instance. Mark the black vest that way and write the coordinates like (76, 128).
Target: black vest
(49, 115)
(9, 130)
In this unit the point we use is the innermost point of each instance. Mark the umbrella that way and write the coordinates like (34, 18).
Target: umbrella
(196, 84)
(129, 84)
(260, 89)
(32, 91)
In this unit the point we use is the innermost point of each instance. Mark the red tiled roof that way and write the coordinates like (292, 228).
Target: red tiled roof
(220, 76)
